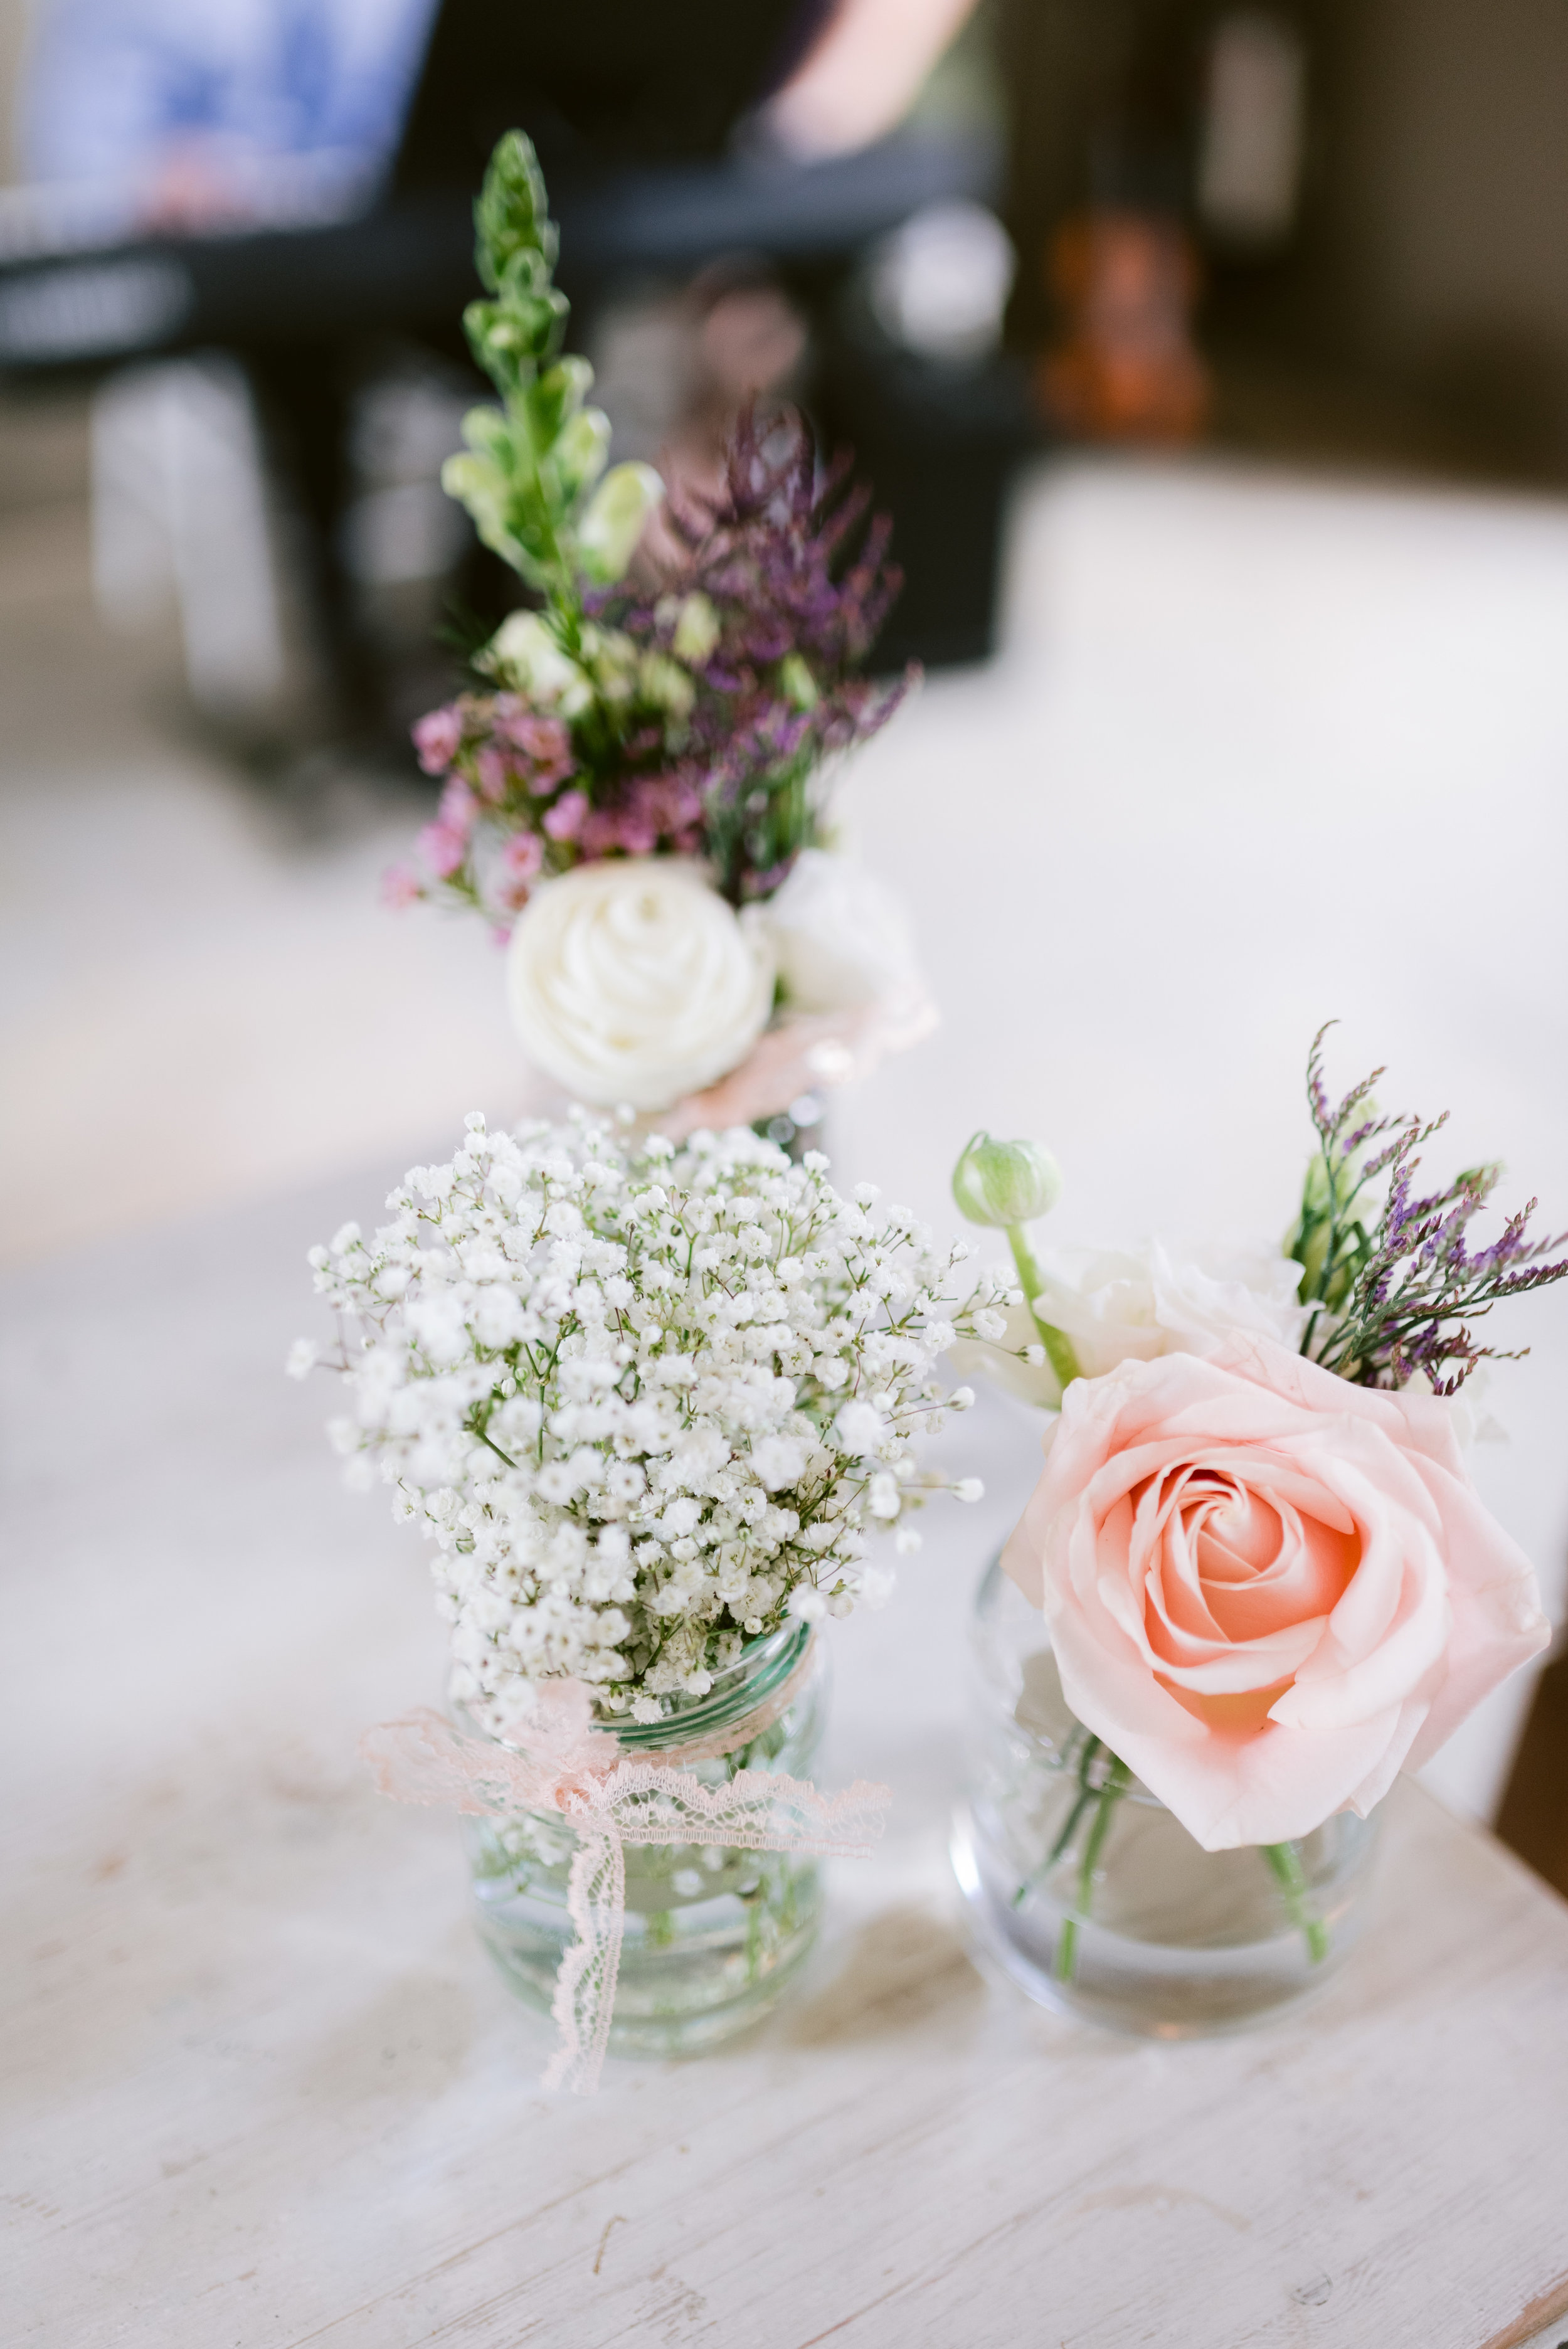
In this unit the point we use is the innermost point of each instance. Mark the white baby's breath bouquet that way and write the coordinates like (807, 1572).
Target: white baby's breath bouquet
(647, 1401)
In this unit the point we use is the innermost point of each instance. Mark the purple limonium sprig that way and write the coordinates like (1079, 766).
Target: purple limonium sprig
(1385, 1265)
(795, 583)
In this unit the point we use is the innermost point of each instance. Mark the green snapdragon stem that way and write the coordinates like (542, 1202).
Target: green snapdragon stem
(1118, 1778)
(1285, 1858)
(1059, 1345)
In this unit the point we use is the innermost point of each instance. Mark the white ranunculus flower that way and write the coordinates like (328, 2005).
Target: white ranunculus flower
(633, 980)
(842, 939)
(1121, 1305)
(1470, 1415)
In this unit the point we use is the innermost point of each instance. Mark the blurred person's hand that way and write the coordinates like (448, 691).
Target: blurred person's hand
(862, 76)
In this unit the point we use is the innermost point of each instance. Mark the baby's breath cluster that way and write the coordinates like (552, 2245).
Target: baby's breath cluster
(645, 1401)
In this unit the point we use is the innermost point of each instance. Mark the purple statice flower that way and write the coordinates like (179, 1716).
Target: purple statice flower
(777, 552)
(798, 583)
(1393, 1281)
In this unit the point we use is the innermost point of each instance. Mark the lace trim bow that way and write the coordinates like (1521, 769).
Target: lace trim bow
(574, 1768)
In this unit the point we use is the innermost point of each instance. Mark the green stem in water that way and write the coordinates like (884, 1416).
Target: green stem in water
(1285, 1858)
(1117, 1781)
(1085, 1795)
(1059, 1345)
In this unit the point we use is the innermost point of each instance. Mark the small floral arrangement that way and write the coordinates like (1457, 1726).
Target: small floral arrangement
(1269, 1579)
(647, 1402)
(687, 717)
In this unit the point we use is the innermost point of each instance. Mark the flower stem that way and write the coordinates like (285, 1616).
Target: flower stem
(1115, 1783)
(1285, 1858)
(1085, 1795)
(1059, 1345)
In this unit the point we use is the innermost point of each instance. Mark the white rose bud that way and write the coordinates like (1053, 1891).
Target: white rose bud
(841, 938)
(633, 981)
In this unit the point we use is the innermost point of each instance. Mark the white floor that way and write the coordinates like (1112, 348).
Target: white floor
(1257, 753)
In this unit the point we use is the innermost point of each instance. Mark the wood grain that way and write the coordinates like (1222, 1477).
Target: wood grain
(263, 2091)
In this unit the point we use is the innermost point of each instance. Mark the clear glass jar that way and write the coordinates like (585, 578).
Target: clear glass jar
(712, 1936)
(1092, 1897)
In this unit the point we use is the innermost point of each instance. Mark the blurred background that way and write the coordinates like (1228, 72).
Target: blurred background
(1213, 362)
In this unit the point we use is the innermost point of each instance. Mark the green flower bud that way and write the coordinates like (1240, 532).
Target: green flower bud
(797, 682)
(1005, 1184)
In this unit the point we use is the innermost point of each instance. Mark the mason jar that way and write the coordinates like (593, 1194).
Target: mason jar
(1092, 1897)
(712, 1935)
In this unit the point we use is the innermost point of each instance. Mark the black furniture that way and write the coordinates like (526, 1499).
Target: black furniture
(632, 109)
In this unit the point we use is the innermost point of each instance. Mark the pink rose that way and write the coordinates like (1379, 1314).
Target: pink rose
(1267, 1590)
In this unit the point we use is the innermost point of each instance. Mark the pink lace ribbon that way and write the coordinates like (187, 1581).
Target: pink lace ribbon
(571, 1768)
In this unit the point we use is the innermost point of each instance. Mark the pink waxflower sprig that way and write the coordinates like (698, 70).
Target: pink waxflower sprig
(514, 807)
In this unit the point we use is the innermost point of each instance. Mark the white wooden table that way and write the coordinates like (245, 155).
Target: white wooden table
(262, 2090)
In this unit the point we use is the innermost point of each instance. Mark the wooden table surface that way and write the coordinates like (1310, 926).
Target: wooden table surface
(263, 2089)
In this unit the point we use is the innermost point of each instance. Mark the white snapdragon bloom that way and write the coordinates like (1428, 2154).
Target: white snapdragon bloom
(633, 981)
(524, 655)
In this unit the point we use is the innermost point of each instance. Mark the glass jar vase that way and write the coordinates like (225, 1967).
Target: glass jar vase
(711, 1935)
(1092, 1897)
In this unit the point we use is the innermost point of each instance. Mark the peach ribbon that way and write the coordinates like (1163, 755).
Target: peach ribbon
(803, 1052)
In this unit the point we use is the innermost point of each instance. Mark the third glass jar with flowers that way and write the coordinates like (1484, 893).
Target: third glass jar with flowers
(1255, 1582)
(1092, 1895)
